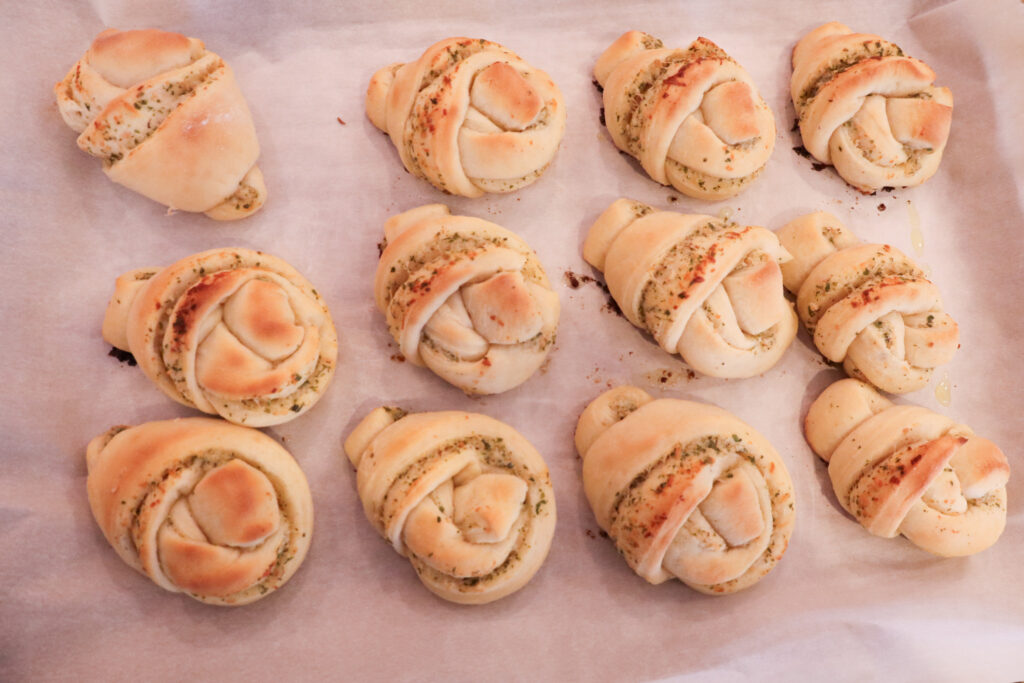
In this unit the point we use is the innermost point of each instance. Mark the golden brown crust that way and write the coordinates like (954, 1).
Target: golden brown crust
(232, 332)
(200, 506)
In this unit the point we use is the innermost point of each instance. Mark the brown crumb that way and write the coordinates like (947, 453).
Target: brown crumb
(796, 126)
(589, 533)
(398, 358)
(673, 198)
(340, 121)
(602, 533)
(881, 207)
(574, 280)
(380, 248)
(123, 356)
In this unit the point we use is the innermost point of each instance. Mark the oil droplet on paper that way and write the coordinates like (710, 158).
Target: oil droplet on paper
(916, 236)
(725, 213)
(943, 393)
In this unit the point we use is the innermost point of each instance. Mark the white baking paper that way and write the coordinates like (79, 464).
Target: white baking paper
(841, 603)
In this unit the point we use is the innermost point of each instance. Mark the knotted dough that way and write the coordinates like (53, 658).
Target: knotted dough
(685, 490)
(168, 120)
(465, 497)
(906, 470)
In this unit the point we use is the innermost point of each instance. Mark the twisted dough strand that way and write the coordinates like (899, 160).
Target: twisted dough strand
(466, 498)
(466, 298)
(231, 332)
(907, 470)
(685, 490)
(168, 120)
(868, 109)
(867, 306)
(708, 290)
(692, 118)
(469, 116)
(220, 512)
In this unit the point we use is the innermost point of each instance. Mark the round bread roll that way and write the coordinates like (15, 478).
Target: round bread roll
(868, 109)
(466, 298)
(867, 306)
(202, 507)
(469, 116)
(466, 498)
(706, 289)
(693, 118)
(168, 120)
(685, 490)
(232, 332)
(908, 470)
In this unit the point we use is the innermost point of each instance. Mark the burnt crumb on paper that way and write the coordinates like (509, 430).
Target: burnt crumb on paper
(802, 151)
(881, 207)
(589, 533)
(398, 358)
(601, 117)
(597, 85)
(672, 198)
(380, 247)
(575, 280)
(123, 356)
(796, 126)
(602, 533)
(340, 121)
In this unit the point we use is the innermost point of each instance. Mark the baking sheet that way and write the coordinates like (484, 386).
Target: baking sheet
(841, 601)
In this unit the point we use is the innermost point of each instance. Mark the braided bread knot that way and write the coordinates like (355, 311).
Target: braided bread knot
(466, 498)
(685, 490)
(907, 470)
(706, 289)
(466, 298)
(231, 332)
(868, 109)
(693, 118)
(220, 512)
(469, 116)
(168, 120)
(867, 306)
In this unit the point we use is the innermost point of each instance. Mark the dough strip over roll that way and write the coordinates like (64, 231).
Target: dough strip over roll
(231, 332)
(685, 490)
(693, 118)
(469, 116)
(168, 120)
(466, 298)
(466, 498)
(216, 511)
(907, 470)
(867, 306)
(706, 289)
(868, 109)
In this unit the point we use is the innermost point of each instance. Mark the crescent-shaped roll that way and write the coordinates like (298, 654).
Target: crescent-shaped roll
(868, 109)
(704, 288)
(867, 306)
(231, 332)
(465, 497)
(693, 118)
(466, 298)
(168, 120)
(685, 490)
(902, 469)
(202, 507)
(469, 116)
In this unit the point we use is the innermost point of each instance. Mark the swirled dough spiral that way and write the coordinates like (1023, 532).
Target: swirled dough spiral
(906, 470)
(232, 332)
(216, 511)
(693, 118)
(168, 120)
(685, 490)
(867, 306)
(706, 289)
(466, 498)
(868, 109)
(466, 298)
(469, 116)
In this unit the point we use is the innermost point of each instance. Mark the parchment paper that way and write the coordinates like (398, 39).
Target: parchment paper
(841, 603)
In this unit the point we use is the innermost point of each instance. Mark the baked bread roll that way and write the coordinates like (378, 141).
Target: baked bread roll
(868, 109)
(168, 120)
(202, 507)
(867, 306)
(907, 470)
(469, 116)
(706, 289)
(693, 118)
(466, 298)
(685, 490)
(466, 498)
(231, 332)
